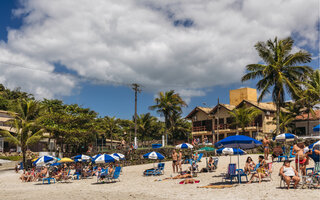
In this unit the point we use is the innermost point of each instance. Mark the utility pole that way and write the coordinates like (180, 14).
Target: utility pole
(136, 88)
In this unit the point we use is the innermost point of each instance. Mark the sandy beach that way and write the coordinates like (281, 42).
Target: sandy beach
(134, 186)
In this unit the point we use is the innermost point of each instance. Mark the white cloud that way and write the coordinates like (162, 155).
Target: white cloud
(124, 41)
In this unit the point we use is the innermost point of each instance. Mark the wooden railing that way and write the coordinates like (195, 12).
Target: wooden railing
(199, 128)
(228, 126)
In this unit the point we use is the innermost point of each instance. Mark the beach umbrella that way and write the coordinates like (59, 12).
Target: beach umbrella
(115, 157)
(285, 137)
(239, 142)
(65, 160)
(104, 158)
(153, 155)
(315, 145)
(206, 149)
(96, 156)
(55, 164)
(184, 146)
(81, 157)
(230, 151)
(316, 128)
(43, 160)
(119, 155)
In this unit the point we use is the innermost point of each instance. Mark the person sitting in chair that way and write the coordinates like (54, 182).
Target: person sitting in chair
(210, 163)
(249, 166)
(262, 172)
(288, 173)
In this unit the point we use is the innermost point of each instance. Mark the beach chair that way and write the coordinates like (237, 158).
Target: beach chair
(284, 155)
(240, 174)
(155, 171)
(102, 175)
(231, 173)
(49, 179)
(215, 162)
(199, 158)
(269, 172)
(115, 175)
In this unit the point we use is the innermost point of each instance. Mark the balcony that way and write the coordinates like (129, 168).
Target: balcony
(228, 126)
(200, 129)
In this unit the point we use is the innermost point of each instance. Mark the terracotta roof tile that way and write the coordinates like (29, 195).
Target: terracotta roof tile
(305, 116)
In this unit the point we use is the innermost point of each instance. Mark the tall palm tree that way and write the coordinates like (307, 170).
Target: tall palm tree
(167, 105)
(26, 131)
(280, 71)
(244, 116)
(310, 96)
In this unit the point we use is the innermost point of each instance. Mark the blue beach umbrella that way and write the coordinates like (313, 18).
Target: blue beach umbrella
(316, 128)
(230, 151)
(285, 137)
(96, 156)
(119, 155)
(184, 146)
(153, 155)
(43, 160)
(104, 158)
(238, 141)
(81, 157)
(315, 145)
(55, 164)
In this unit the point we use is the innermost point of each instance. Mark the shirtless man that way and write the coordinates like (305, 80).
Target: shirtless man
(266, 144)
(174, 161)
(298, 150)
(180, 160)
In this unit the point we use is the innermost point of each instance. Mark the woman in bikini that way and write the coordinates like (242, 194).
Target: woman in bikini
(249, 166)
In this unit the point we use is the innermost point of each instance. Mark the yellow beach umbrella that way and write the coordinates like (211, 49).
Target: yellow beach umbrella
(64, 160)
(34, 159)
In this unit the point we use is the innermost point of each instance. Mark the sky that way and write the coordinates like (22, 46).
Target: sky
(90, 53)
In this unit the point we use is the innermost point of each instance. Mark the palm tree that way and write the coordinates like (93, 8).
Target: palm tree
(311, 95)
(111, 126)
(26, 130)
(167, 105)
(243, 116)
(280, 71)
(145, 124)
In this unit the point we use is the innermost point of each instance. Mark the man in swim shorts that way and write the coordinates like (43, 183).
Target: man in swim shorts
(174, 161)
(266, 144)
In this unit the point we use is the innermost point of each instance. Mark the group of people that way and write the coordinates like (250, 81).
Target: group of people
(66, 171)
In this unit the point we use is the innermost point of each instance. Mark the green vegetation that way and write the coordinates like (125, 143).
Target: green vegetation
(280, 72)
(12, 158)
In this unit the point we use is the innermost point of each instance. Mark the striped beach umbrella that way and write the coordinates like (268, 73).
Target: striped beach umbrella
(104, 158)
(184, 146)
(230, 151)
(43, 160)
(119, 155)
(315, 145)
(286, 137)
(96, 156)
(153, 155)
(81, 157)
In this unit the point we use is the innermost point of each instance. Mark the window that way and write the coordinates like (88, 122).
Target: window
(300, 131)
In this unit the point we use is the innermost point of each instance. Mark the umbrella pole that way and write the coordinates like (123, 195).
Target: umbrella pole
(238, 158)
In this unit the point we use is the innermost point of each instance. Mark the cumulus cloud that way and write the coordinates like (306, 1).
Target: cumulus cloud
(181, 45)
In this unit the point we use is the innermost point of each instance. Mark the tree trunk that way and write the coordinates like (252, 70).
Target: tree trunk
(277, 118)
(23, 149)
(308, 123)
(111, 139)
(237, 130)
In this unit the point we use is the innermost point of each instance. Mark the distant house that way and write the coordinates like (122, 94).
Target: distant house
(216, 123)
(301, 124)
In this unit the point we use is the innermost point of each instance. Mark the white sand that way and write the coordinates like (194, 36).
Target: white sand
(134, 186)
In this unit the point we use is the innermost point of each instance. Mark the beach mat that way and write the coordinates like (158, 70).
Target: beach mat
(216, 186)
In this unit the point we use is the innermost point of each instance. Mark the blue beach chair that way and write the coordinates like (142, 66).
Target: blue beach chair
(232, 173)
(116, 174)
(240, 174)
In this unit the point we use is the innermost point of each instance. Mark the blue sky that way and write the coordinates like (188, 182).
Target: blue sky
(175, 48)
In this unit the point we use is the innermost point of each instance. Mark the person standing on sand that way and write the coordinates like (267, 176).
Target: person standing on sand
(266, 144)
(174, 161)
(298, 149)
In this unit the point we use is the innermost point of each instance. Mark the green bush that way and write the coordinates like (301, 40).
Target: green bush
(12, 158)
